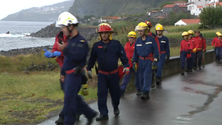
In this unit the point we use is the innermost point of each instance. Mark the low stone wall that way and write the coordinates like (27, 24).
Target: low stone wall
(25, 51)
(174, 65)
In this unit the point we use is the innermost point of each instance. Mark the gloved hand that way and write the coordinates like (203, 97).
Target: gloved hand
(154, 66)
(48, 54)
(189, 51)
(56, 53)
(89, 74)
(126, 70)
(167, 59)
(135, 66)
(84, 90)
(194, 50)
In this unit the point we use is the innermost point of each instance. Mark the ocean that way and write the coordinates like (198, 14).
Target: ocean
(17, 38)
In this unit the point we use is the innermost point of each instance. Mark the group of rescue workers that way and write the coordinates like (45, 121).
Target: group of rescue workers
(144, 56)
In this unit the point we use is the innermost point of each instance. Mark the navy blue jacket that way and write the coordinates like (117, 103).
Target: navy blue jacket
(112, 51)
(75, 53)
(145, 48)
(164, 45)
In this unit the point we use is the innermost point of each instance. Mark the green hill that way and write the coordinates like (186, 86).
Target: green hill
(114, 7)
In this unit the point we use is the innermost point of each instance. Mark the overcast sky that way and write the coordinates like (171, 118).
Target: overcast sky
(12, 6)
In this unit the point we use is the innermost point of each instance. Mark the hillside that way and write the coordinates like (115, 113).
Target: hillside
(114, 7)
(46, 13)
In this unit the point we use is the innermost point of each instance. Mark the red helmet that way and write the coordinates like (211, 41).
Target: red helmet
(148, 23)
(104, 27)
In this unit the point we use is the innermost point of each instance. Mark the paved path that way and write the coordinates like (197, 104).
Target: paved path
(193, 99)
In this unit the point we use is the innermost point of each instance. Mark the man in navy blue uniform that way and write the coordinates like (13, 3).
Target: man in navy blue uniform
(164, 52)
(75, 59)
(146, 53)
(107, 53)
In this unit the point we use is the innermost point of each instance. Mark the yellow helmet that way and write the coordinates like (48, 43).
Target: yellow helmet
(185, 33)
(190, 32)
(159, 27)
(132, 34)
(217, 33)
(141, 26)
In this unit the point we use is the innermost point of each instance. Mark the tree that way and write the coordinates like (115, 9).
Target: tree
(211, 17)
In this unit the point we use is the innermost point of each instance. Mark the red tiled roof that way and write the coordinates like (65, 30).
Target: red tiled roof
(112, 17)
(154, 11)
(210, 4)
(169, 6)
(191, 21)
(199, 6)
(219, 3)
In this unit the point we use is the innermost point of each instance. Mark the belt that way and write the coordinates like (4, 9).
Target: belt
(199, 48)
(185, 50)
(108, 73)
(70, 71)
(147, 57)
(162, 52)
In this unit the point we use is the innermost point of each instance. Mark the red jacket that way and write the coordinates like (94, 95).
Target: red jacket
(64, 38)
(192, 44)
(184, 45)
(129, 49)
(218, 42)
(157, 41)
(213, 42)
(200, 43)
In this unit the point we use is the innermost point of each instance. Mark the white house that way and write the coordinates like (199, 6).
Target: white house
(110, 19)
(194, 9)
(201, 2)
(184, 22)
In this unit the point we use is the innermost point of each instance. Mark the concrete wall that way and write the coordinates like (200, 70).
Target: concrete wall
(173, 66)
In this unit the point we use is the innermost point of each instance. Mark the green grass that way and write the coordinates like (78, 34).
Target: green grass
(28, 98)
(17, 63)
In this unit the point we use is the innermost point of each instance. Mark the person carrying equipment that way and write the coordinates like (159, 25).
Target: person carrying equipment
(75, 53)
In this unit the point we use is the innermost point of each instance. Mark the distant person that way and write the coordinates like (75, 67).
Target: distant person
(193, 50)
(185, 53)
(8, 32)
(149, 33)
(216, 46)
(200, 48)
(129, 49)
(164, 52)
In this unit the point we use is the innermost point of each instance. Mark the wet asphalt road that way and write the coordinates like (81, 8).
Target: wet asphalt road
(193, 99)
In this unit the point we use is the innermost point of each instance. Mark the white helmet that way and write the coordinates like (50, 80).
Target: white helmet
(65, 19)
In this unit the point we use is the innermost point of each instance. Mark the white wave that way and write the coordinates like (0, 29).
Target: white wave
(14, 35)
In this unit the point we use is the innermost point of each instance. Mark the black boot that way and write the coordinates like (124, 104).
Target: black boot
(195, 68)
(60, 121)
(77, 117)
(90, 120)
(122, 91)
(138, 93)
(158, 79)
(116, 111)
(153, 86)
(145, 96)
(182, 72)
(102, 117)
